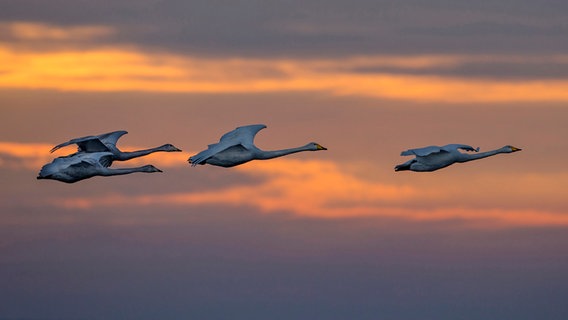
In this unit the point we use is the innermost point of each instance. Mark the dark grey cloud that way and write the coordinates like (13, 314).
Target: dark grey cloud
(257, 28)
(501, 70)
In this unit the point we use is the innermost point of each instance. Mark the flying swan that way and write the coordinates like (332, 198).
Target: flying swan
(433, 158)
(237, 147)
(107, 143)
(84, 165)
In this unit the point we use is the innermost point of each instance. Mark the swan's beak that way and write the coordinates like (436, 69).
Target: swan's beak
(177, 149)
(319, 147)
(515, 149)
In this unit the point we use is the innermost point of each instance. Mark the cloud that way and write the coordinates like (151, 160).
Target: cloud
(41, 32)
(24, 155)
(306, 28)
(325, 190)
(312, 186)
(111, 70)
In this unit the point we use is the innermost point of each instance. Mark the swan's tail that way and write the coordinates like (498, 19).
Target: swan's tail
(404, 166)
(193, 162)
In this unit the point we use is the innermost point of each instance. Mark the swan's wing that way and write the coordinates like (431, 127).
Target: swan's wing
(86, 144)
(81, 165)
(240, 136)
(105, 159)
(95, 158)
(422, 152)
(94, 143)
(111, 137)
(453, 147)
(92, 160)
(212, 150)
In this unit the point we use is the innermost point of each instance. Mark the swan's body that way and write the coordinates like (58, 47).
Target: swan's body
(107, 143)
(84, 165)
(237, 147)
(433, 158)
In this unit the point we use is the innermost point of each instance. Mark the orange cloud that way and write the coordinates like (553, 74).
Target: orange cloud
(40, 31)
(129, 70)
(324, 190)
(315, 188)
(24, 155)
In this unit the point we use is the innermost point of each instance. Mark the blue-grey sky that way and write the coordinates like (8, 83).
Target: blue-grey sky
(327, 235)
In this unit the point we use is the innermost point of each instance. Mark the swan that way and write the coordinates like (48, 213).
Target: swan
(237, 147)
(84, 165)
(107, 143)
(433, 157)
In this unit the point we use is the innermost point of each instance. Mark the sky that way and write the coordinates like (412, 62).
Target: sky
(334, 234)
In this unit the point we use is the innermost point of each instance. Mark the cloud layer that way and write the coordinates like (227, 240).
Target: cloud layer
(127, 70)
(322, 189)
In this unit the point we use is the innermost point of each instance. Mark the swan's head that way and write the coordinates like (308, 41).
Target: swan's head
(316, 146)
(511, 149)
(169, 148)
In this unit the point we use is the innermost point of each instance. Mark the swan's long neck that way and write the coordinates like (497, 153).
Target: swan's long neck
(263, 155)
(127, 155)
(120, 171)
(474, 156)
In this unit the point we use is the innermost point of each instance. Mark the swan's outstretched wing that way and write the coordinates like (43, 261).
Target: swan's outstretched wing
(423, 152)
(452, 147)
(93, 143)
(87, 144)
(111, 137)
(240, 136)
(96, 160)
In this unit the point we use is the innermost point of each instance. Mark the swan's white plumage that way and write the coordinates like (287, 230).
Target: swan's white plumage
(237, 146)
(433, 157)
(94, 157)
(84, 165)
(243, 136)
(422, 152)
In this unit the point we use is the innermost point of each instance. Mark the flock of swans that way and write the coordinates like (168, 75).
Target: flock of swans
(96, 154)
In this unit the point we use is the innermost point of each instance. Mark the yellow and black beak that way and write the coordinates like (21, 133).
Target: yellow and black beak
(515, 149)
(320, 147)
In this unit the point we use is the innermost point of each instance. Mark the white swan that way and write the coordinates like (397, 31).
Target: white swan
(434, 157)
(237, 147)
(83, 165)
(107, 143)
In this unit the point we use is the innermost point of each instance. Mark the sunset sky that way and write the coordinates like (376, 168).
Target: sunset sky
(334, 234)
